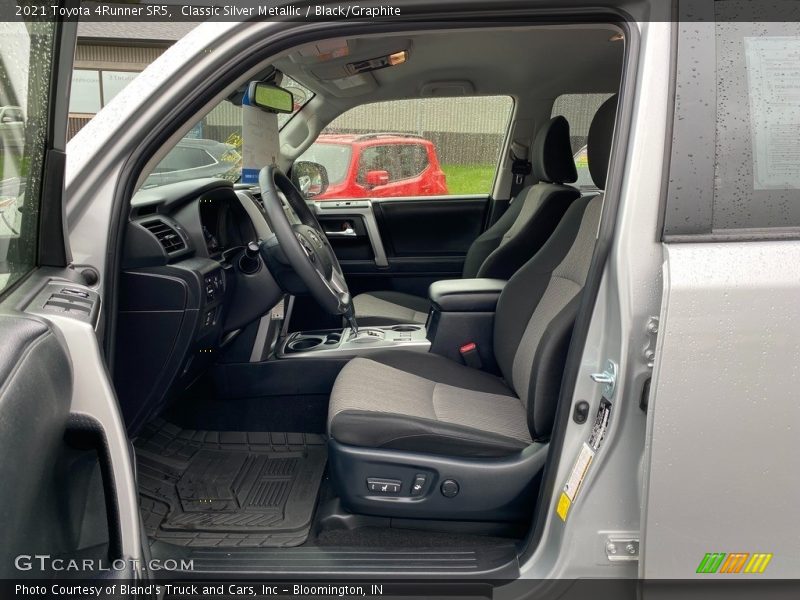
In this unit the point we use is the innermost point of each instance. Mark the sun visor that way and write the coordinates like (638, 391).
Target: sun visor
(260, 143)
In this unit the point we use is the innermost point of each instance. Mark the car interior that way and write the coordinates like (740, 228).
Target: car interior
(381, 402)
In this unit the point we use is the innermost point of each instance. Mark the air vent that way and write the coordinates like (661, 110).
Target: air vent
(167, 236)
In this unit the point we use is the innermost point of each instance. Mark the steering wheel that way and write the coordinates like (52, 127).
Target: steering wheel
(304, 244)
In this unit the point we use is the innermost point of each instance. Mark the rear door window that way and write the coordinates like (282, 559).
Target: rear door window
(579, 110)
(735, 159)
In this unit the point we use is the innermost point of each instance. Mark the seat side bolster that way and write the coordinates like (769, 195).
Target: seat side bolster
(402, 432)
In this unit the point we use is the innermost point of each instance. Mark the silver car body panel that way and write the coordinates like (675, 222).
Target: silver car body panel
(724, 414)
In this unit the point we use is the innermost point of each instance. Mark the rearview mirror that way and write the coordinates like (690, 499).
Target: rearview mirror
(310, 178)
(376, 178)
(270, 97)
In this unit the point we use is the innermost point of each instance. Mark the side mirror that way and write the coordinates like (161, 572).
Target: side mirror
(310, 178)
(7, 120)
(270, 97)
(376, 178)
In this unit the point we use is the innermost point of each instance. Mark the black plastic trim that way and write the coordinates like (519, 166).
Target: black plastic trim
(515, 479)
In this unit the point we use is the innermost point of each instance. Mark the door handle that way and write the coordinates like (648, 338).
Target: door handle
(348, 232)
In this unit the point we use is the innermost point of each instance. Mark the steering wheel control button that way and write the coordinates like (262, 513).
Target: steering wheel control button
(384, 487)
(418, 486)
(449, 488)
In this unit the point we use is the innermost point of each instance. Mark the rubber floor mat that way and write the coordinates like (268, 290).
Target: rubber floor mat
(228, 488)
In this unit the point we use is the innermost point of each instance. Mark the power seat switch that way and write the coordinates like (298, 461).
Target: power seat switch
(385, 487)
(418, 486)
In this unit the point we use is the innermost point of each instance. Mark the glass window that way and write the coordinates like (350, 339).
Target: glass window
(735, 157)
(180, 158)
(399, 161)
(757, 153)
(26, 57)
(114, 82)
(213, 146)
(335, 157)
(419, 147)
(579, 110)
(84, 95)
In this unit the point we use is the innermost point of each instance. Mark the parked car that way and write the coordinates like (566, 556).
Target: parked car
(377, 165)
(12, 127)
(194, 158)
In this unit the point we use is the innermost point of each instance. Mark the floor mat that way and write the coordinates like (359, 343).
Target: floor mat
(228, 488)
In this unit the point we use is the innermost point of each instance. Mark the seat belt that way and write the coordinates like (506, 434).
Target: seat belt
(520, 168)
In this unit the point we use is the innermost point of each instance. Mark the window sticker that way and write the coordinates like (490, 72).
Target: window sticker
(773, 76)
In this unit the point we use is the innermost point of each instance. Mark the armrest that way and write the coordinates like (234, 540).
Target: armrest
(466, 295)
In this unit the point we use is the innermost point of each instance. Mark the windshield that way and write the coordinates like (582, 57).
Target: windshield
(334, 157)
(213, 146)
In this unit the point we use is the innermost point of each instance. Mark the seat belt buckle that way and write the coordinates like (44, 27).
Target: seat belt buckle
(469, 353)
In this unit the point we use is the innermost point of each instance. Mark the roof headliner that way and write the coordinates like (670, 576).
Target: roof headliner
(534, 62)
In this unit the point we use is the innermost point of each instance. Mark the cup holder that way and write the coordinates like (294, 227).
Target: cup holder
(406, 328)
(305, 343)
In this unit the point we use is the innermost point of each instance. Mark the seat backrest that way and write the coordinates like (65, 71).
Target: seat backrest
(537, 309)
(533, 215)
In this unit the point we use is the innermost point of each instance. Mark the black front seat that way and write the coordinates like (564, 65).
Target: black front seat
(516, 236)
(476, 442)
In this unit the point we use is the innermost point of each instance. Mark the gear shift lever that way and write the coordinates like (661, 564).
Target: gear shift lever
(350, 317)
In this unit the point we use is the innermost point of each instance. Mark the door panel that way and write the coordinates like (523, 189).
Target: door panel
(403, 245)
(55, 503)
(427, 227)
(65, 464)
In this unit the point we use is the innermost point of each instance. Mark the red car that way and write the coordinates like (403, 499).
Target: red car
(377, 165)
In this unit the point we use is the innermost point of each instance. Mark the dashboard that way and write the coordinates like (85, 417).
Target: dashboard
(183, 291)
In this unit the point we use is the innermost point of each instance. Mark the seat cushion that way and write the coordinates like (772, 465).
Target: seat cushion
(425, 403)
(390, 308)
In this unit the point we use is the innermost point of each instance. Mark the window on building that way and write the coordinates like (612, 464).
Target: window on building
(84, 95)
(114, 82)
(419, 147)
(92, 89)
(579, 110)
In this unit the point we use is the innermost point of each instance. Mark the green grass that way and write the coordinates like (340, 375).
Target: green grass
(469, 179)
(15, 163)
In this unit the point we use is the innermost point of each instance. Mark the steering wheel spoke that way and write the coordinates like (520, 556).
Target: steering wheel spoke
(304, 243)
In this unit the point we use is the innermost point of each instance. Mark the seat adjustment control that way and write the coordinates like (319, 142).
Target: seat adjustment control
(419, 485)
(387, 487)
(449, 488)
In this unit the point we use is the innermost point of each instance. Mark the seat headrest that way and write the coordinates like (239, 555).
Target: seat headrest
(552, 153)
(598, 143)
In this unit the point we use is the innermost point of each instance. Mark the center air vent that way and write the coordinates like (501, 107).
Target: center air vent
(166, 235)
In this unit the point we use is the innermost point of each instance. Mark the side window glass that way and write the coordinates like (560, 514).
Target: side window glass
(412, 148)
(579, 110)
(26, 59)
(213, 147)
(734, 169)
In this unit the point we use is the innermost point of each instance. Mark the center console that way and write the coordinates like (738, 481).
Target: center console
(346, 343)
(462, 313)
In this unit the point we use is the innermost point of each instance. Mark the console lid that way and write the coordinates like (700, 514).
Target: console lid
(466, 295)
